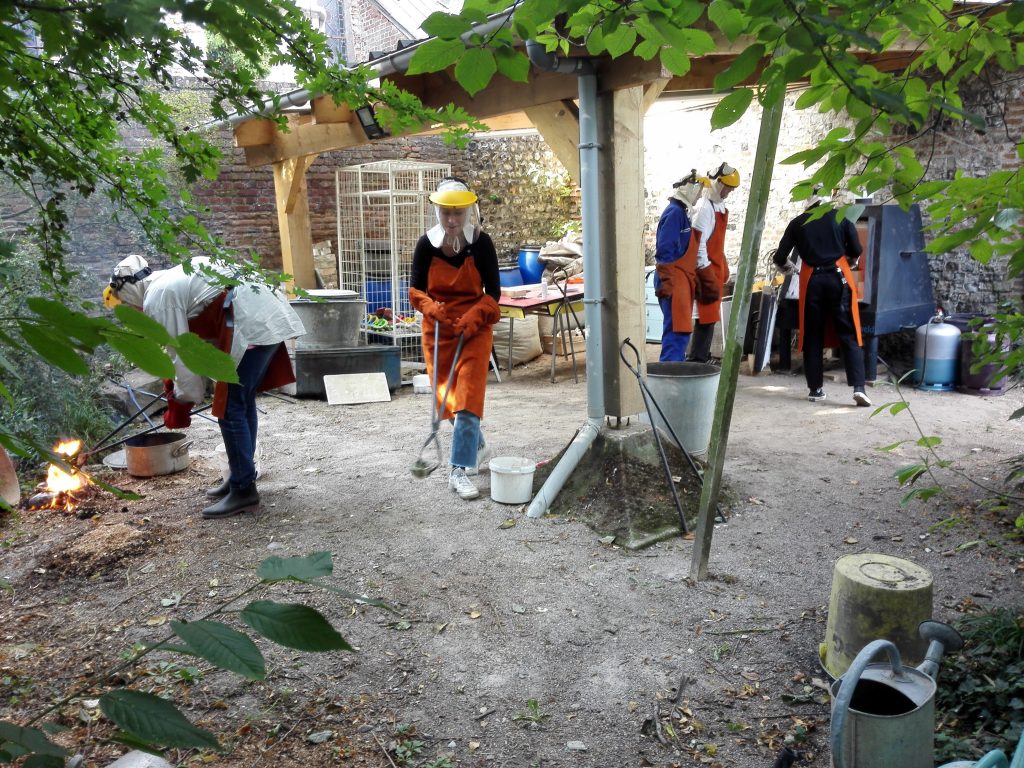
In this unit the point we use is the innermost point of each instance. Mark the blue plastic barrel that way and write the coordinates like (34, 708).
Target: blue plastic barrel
(378, 294)
(530, 265)
(510, 276)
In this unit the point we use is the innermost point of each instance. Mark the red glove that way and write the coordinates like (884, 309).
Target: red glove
(179, 413)
(428, 307)
(484, 312)
(708, 289)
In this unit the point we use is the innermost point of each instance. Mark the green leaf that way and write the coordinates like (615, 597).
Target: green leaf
(728, 19)
(435, 56)
(1008, 218)
(799, 39)
(205, 359)
(731, 108)
(30, 740)
(445, 25)
(53, 348)
(513, 64)
(71, 324)
(741, 69)
(293, 626)
(307, 568)
(892, 446)
(221, 645)
(910, 473)
(143, 353)
(155, 720)
(142, 324)
(620, 41)
(475, 70)
(929, 442)
(43, 761)
(676, 61)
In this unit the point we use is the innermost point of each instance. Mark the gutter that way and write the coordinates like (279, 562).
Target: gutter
(592, 289)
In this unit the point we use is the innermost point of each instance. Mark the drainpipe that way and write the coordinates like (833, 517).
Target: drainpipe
(592, 290)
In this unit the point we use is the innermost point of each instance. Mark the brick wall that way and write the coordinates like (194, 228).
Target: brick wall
(523, 199)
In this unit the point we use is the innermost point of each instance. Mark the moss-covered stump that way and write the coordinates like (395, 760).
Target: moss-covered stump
(619, 488)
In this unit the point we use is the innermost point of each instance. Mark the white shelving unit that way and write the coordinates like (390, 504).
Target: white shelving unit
(383, 208)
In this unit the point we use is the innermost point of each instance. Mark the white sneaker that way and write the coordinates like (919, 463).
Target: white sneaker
(462, 485)
(483, 455)
(861, 398)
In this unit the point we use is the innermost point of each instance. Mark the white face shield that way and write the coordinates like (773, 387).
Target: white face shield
(457, 213)
(689, 189)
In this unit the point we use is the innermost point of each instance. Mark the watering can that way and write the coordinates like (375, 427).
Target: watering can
(884, 714)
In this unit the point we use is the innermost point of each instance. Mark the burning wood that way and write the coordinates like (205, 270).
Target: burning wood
(62, 490)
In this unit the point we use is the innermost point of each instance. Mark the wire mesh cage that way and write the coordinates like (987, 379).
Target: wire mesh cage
(383, 208)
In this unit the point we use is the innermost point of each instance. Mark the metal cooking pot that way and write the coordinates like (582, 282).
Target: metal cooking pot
(162, 453)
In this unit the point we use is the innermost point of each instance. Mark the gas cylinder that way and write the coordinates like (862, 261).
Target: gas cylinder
(936, 354)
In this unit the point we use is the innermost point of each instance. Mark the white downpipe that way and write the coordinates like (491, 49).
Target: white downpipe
(592, 299)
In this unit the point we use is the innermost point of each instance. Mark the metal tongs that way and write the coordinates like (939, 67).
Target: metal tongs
(422, 467)
(648, 401)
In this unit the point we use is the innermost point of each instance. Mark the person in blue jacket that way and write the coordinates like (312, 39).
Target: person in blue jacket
(673, 280)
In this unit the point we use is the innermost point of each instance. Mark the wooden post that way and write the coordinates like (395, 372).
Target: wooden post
(622, 257)
(753, 227)
(293, 220)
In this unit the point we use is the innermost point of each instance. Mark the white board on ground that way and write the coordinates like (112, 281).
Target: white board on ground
(352, 388)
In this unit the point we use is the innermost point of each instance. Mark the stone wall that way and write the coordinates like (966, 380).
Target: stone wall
(523, 196)
(526, 198)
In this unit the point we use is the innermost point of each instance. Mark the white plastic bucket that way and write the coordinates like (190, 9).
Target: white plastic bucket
(225, 469)
(512, 479)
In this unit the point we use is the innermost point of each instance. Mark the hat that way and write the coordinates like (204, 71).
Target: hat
(726, 174)
(453, 193)
(688, 189)
(125, 282)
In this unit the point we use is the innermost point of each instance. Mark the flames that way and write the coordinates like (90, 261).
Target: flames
(61, 489)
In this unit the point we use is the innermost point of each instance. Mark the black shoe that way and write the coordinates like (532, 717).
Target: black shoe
(236, 502)
(816, 395)
(219, 490)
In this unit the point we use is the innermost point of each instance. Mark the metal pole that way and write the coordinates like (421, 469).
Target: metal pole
(753, 226)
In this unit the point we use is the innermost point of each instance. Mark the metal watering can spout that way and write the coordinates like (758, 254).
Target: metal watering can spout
(942, 639)
(891, 706)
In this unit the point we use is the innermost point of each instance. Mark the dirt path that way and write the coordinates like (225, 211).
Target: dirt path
(628, 663)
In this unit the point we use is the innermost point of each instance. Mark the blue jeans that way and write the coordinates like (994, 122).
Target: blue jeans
(466, 439)
(239, 424)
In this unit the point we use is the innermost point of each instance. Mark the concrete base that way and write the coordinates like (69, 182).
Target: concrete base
(619, 488)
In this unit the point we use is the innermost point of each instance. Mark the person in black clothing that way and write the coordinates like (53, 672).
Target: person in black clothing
(829, 250)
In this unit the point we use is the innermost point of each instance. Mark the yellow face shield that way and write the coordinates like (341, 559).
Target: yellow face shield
(110, 299)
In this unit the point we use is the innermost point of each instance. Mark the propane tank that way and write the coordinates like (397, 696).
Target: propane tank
(936, 354)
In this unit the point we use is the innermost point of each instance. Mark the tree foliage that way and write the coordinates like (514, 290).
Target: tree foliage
(75, 77)
(151, 722)
(896, 75)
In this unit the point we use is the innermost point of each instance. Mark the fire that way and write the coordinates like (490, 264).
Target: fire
(61, 490)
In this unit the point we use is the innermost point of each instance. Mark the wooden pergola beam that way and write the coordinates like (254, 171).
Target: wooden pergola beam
(559, 125)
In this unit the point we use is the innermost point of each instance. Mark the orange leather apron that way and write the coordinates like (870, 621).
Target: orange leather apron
(683, 277)
(831, 340)
(216, 325)
(712, 313)
(458, 289)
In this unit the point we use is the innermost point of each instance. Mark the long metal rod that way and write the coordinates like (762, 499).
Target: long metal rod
(648, 398)
(753, 226)
(592, 298)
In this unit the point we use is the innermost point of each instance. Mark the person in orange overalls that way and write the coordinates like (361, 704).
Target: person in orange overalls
(707, 241)
(455, 284)
(674, 277)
